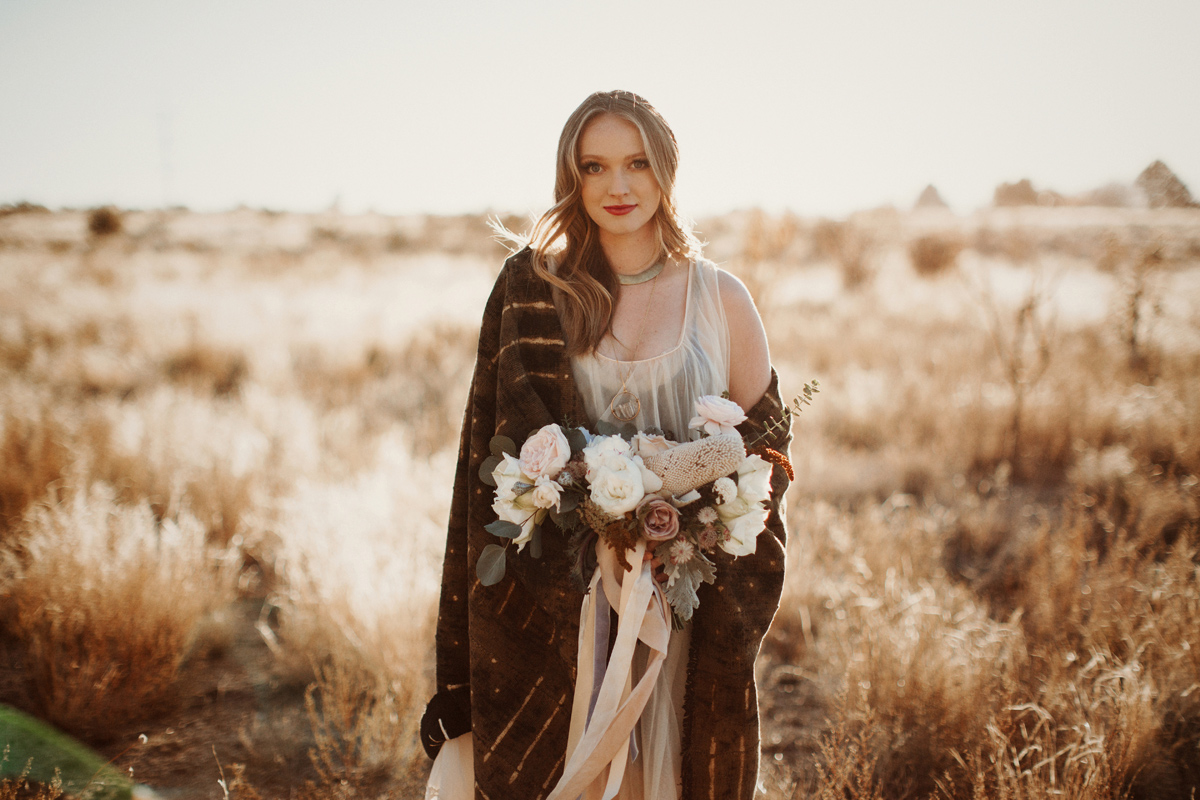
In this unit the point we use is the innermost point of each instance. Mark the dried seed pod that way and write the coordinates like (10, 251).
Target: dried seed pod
(693, 464)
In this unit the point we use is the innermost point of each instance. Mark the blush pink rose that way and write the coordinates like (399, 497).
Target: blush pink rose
(717, 415)
(545, 453)
(660, 519)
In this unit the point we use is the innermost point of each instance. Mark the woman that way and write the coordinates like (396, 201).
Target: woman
(608, 314)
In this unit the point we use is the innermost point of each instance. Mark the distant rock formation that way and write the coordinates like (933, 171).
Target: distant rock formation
(1162, 188)
(1020, 193)
(930, 198)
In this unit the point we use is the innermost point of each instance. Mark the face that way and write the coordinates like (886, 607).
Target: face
(620, 192)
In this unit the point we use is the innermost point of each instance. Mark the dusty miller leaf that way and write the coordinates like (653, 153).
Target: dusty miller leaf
(685, 579)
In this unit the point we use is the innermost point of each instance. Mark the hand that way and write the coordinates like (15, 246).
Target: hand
(655, 564)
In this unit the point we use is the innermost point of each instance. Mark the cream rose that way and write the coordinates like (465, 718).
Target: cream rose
(546, 492)
(645, 444)
(515, 506)
(617, 485)
(717, 415)
(545, 453)
(507, 475)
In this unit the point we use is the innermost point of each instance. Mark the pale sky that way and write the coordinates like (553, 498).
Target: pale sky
(448, 107)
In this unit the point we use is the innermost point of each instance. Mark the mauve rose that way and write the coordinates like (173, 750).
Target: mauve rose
(545, 453)
(660, 519)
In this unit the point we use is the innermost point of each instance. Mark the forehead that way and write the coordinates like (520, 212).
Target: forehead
(609, 135)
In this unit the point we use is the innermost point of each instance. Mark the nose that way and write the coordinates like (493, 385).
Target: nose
(620, 184)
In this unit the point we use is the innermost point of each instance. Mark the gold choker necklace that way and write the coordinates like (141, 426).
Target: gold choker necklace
(648, 274)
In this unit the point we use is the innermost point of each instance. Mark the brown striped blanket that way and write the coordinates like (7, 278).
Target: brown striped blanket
(506, 653)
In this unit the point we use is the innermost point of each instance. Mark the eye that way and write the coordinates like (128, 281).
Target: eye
(641, 163)
(590, 168)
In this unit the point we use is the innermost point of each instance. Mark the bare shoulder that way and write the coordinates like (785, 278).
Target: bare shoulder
(750, 357)
(736, 299)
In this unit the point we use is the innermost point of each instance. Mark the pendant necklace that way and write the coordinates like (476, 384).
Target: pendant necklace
(625, 405)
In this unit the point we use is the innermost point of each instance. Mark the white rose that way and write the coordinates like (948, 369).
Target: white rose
(545, 453)
(754, 479)
(744, 531)
(527, 517)
(601, 449)
(651, 483)
(510, 506)
(717, 415)
(507, 475)
(617, 486)
(546, 492)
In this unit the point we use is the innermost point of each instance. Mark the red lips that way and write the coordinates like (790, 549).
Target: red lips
(619, 211)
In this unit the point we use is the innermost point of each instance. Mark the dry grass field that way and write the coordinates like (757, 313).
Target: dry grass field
(227, 441)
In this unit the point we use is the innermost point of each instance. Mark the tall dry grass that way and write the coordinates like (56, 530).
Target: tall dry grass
(107, 601)
(969, 612)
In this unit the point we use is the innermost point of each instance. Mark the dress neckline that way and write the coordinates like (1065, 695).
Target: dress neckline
(687, 315)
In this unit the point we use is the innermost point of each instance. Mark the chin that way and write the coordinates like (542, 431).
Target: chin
(622, 226)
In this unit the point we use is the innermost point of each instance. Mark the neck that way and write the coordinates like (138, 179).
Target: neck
(632, 253)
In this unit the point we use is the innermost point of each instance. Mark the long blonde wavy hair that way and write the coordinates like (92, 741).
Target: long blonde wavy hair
(565, 240)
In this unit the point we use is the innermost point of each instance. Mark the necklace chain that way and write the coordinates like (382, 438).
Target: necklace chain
(625, 405)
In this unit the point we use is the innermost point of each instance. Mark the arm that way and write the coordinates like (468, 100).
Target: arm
(448, 714)
(749, 356)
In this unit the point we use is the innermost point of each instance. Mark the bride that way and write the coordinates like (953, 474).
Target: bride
(609, 313)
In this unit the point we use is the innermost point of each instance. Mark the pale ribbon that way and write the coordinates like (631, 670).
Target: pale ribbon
(607, 703)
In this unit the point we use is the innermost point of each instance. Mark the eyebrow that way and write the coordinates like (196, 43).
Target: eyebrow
(586, 156)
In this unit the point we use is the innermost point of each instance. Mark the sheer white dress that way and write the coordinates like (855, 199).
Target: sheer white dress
(667, 386)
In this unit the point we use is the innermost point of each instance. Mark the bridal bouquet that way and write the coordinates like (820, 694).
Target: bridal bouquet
(685, 499)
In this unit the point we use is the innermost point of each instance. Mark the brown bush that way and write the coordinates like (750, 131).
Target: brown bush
(853, 247)
(934, 255)
(105, 221)
(33, 455)
(207, 369)
(107, 606)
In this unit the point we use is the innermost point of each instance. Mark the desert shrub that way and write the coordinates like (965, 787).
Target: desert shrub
(33, 455)
(934, 255)
(420, 385)
(105, 221)
(207, 368)
(1014, 244)
(852, 247)
(107, 604)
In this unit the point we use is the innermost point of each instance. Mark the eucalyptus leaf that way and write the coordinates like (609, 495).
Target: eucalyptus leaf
(567, 501)
(504, 529)
(628, 431)
(502, 445)
(487, 468)
(576, 439)
(490, 567)
(606, 428)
